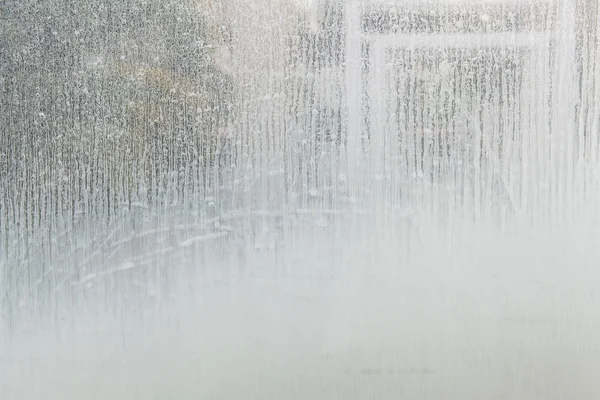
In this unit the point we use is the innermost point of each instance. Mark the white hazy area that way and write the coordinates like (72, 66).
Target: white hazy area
(486, 316)
(471, 276)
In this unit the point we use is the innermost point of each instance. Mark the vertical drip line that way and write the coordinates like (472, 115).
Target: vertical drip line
(595, 105)
(355, 48)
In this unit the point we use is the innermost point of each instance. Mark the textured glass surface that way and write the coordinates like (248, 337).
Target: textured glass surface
(299, 199)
